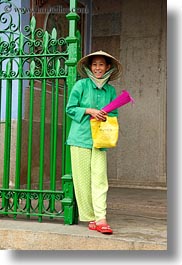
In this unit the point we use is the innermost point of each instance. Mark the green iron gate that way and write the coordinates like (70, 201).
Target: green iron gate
(31, 56)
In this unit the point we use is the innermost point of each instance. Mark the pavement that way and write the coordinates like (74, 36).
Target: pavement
(138, 218)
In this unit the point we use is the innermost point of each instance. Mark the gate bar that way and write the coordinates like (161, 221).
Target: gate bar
(19, 118)
(19, 127)
(30, 137)
(42, 123)
(7, 137)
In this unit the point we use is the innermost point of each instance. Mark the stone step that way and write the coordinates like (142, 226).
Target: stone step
(31, 235)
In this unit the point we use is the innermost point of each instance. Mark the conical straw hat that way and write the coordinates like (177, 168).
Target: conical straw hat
(114, 63)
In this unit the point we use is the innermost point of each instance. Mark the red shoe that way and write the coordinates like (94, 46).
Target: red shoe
(92, 225)
(104, 229)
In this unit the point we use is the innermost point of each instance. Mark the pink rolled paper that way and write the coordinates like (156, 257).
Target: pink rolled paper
(121, 100)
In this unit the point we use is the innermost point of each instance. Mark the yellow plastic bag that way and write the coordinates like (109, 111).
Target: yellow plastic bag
(105, 133)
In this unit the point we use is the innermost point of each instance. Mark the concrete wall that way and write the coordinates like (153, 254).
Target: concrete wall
(135, 32)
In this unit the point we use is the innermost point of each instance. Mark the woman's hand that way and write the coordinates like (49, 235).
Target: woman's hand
(97, 114)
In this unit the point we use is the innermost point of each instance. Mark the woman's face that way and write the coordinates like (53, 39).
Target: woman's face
(99, 66)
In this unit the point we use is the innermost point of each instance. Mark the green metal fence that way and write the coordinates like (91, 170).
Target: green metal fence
(31, 56)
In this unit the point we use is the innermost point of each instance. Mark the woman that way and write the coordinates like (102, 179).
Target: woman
(89, 165)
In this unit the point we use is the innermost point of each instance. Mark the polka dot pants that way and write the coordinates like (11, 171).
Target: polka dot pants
(89, 170)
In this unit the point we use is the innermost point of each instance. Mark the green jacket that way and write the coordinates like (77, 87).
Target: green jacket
(84, 95)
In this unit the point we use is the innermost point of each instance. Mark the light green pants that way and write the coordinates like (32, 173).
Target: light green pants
(89, 170)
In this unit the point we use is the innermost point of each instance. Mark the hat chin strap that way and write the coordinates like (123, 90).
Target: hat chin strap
(99, 82)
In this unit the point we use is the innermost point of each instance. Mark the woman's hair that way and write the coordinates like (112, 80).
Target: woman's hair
(107, 59)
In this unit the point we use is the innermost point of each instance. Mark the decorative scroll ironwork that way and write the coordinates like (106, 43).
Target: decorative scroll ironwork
(34, 54)
(27, 202)
(35, 46)
(9, 22)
